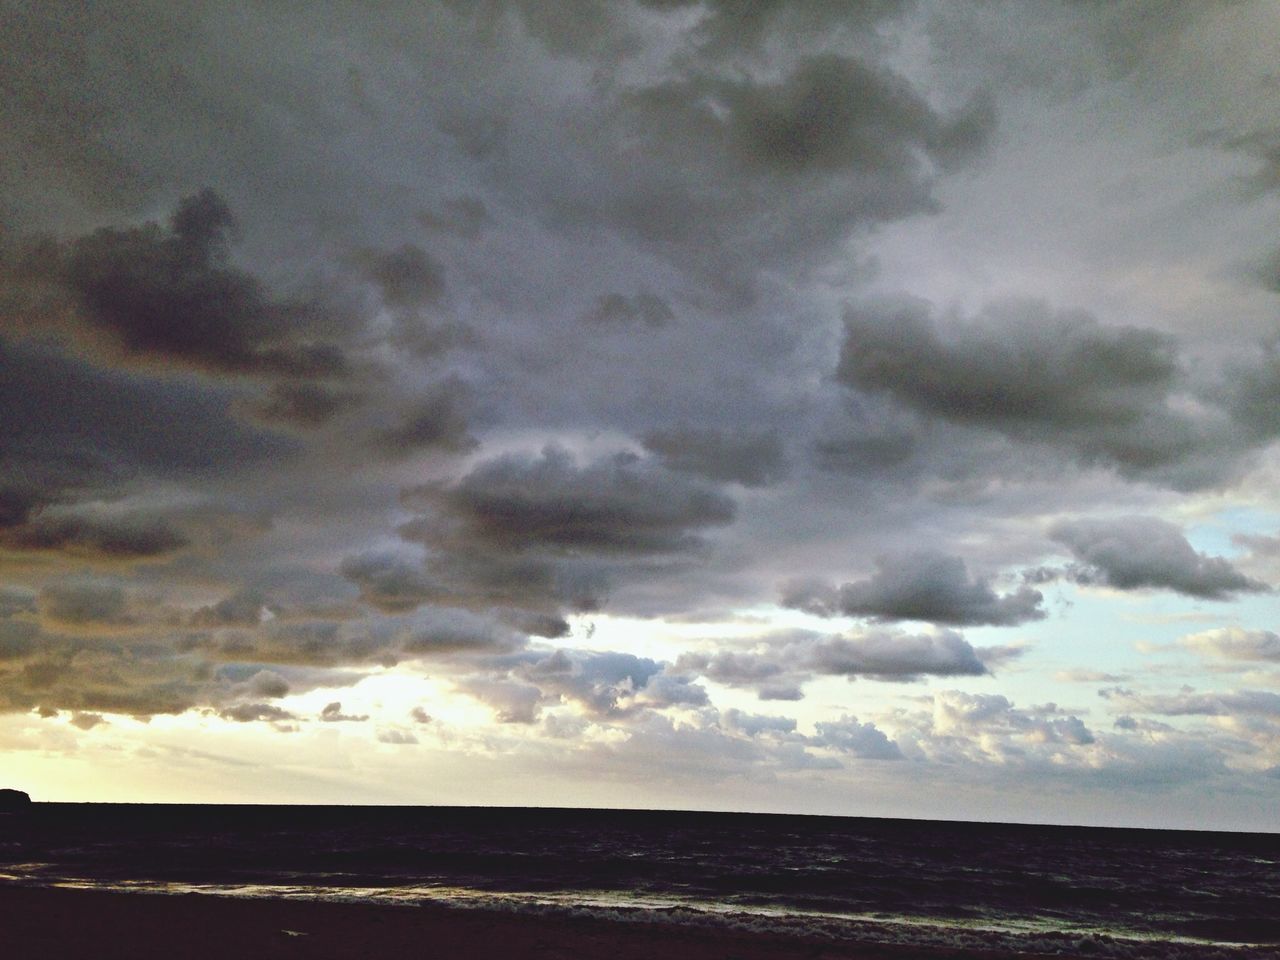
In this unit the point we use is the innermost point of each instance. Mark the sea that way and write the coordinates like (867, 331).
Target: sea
(1074, 891)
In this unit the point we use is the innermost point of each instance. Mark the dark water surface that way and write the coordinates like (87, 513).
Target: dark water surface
(1091, 891)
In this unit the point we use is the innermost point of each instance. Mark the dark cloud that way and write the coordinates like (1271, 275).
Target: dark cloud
(306, 405)
(835, 113)
(100, 673)
(406, 277)
(86, 721)
(647, 309)
(751, 459)
(926, 585)
(736, 668)
(17, 639)
(622, 505)
(66, 426)
(729, 173)
(267, 683)
(104, 536)
(449, 635)
(84, 603)
(886, 655)
(1252, 392)
(728, 27)
(251, 712)
(463, 217)
(323, 643)
(241, 609)
(15, 600)
(436, 420)
(172, 293)
(1063, 380)
(534, 535)
(1131, 553)
(390, 582)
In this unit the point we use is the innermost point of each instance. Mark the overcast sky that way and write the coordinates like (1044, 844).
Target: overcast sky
(815, 407)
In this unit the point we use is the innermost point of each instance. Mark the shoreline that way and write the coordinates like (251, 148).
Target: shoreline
(72, 923)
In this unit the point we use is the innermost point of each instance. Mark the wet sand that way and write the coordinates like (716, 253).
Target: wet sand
(59, 924)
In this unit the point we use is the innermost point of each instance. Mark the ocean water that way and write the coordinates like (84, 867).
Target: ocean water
(1069, 890)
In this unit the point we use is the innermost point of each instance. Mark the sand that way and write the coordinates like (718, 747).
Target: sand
(62, 924)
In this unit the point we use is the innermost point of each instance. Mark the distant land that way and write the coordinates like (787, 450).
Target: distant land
(14, 800)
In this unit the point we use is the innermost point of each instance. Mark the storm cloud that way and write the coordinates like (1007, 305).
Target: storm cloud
(171, 292)
(569, 376)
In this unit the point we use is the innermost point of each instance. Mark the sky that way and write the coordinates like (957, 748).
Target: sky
(862, 409)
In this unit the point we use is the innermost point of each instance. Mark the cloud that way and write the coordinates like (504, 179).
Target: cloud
(303, 405)
(1216, 704)
(1235, 643)
(754, 459)
(925, 585)
(86, 721)
(406, 277)
(267, 683)
(253, 712)
(1103, 393)
(511, 702)
(435, 420)
(732, 173)
(727, 28)
(647, 309)
(606, 684)
(462, 217)
(956, 712)
(241, 609)
(603, 686)
(1090, 676)
(1136, 552)
(97, 535)
(756, 724)
(539, 534)
(14, 600)
(72, 431)
(860, 740)
(172, 293)
(397, 737)
(84, 603)
(779, 665)
(390, 582)
(621, 504)
(332, 713)
(889, 655)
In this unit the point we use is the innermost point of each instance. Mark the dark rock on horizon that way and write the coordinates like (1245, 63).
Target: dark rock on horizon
(11, 800)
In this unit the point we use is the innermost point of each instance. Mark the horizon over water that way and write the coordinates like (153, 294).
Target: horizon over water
(1027, 888)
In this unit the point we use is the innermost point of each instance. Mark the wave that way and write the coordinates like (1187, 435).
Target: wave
(1004, 937)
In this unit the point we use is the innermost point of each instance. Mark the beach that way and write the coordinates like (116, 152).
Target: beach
(73, 923)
